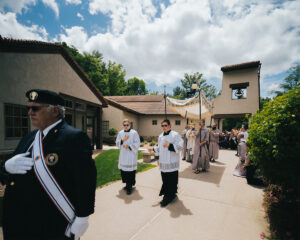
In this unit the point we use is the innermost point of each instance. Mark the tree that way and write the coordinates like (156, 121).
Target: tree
(178, 92)
(154, 92)
(291, 81)
(136, 86)
(263, 101)
(186, 91)
(115, 76)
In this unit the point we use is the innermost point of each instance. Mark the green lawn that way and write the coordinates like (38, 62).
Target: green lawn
(107, 166)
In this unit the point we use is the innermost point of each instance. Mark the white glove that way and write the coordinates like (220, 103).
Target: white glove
(19, 164)
(79, 226)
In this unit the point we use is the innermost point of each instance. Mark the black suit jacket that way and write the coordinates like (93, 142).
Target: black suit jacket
(28, 211)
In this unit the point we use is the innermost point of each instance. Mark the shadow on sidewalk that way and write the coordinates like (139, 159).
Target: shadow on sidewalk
(134, 196)
(177, 209)
(213, 175)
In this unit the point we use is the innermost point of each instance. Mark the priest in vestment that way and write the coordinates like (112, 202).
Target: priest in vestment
(201, 155)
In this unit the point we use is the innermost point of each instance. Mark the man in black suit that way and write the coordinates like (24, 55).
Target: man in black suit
(29, 211)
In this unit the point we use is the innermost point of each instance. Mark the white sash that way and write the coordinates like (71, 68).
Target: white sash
(49, 183)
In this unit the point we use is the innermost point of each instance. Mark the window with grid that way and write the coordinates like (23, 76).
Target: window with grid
(16, 120)
(105, 128)
(154, 122)
(177, 122)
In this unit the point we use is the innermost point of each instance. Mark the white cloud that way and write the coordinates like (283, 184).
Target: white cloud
(80, 16)
(16, 6)
(74, 36)
(9, 27)
(193, 35)
(273, 86)
(53, 5)
(76, 2)
(160, 42)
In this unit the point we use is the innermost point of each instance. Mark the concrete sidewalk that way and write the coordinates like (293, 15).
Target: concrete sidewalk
(213, 205)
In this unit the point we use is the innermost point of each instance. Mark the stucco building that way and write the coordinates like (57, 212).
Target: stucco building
(145, 112)
(240, 91)
(26, 65)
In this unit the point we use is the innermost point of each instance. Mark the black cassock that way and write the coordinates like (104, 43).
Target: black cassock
(28, 212)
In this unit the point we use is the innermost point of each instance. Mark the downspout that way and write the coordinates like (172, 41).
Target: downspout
(258, 76)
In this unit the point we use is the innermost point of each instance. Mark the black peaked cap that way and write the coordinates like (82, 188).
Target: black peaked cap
(45, 96)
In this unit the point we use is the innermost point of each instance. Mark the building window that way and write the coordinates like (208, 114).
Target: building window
(105, 128)
(154, 122)
(68, 104)
(79, 106)
(16, 120)
(177, 122)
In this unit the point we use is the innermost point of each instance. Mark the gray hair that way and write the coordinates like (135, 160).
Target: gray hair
(62, 111)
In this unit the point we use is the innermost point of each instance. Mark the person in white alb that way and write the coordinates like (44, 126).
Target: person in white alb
(169, 147)
(190, 136)
(128, 141)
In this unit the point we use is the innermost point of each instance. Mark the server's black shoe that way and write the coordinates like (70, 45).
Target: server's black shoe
(129, 190)
(164, 202)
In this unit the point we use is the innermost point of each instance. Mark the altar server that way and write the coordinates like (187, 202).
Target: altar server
(169, 146)
(190, 136)
(128, 141)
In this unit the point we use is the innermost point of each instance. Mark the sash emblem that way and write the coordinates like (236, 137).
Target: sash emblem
(37, 158)
(51, 159)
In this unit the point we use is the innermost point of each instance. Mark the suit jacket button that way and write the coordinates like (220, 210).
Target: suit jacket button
(12, 183)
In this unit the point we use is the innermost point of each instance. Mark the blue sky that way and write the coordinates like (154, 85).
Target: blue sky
(159, 41)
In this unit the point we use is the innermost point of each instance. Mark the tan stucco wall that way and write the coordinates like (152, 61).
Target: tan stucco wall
(132, 118)
(143, 124)
(115, 117)
(20, 72)
(147, 129)
(224, 104)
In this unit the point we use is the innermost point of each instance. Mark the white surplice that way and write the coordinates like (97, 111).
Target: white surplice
(169, 160)
(128, 156)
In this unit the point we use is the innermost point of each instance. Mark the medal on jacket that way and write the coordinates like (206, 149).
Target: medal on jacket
(51, 159)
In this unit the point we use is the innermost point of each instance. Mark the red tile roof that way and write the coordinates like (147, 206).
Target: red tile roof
(141, 104)
(32, 46)
(240, 66)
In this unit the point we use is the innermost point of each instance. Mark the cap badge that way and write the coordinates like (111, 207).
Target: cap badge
(33, 95)
(51, 159)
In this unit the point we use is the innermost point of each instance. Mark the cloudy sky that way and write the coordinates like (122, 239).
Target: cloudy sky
(160, 40)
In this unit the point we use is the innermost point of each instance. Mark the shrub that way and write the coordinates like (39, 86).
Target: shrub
(152, 143)
(274, 139)
(112, 131)
(274, 148)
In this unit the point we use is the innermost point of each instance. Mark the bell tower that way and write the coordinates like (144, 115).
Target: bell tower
(240, 91)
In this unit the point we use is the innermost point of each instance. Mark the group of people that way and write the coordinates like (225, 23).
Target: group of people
(51, 178)
(229, 139)
(200, 146)
(168, 149)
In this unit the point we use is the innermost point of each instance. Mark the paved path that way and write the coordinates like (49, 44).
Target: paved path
(211, 206)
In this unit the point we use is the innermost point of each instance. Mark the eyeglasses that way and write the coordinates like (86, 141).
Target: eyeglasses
(35, 108)
(164, 125)
(126, 125)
